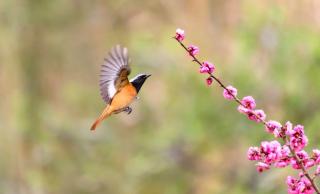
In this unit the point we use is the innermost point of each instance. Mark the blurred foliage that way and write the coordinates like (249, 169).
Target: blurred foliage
(182, 136)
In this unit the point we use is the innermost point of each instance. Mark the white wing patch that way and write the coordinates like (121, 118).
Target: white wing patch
(116, 60)
(112, 90)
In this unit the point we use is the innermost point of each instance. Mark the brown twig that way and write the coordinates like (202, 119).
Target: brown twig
(220, 83)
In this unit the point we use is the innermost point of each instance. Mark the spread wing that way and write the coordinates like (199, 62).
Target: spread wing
(114, 72)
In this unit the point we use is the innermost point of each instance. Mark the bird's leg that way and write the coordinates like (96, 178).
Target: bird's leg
(118, 111)
(125, 109)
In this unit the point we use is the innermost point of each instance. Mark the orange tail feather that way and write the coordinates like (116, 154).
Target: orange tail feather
(105, 114)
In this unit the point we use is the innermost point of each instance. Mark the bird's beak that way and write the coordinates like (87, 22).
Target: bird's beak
(148, 75)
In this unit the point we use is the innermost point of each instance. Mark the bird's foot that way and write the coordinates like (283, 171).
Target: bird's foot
(128, 110)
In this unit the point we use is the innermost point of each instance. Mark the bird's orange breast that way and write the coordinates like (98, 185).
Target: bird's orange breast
(124, 97)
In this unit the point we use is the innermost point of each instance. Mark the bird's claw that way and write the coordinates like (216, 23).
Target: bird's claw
(128, 110)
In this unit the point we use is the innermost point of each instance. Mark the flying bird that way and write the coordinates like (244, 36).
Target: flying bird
(115, 88)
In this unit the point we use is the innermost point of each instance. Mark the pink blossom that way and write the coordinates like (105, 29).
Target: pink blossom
(295, 164)
(317, 173)
(304, 159)
(301, 174)
(230, 92)
(180, 35)
(261, 114)
(297, 138)
(292, 185)
(272, 146)
(204, 69)
(302, 155)
(284, 158)
(291, 181)
(316, 156)
(207, 67)
(193, 50)
(256, 115)
(242, 109)
(271, 151)
(304, 186)
(282, 163)
(298, 143)
(248, 102)
(281, 132)
(301, 186)
(262, 167)
(310, 163)
(254, 153)
(278, 132)
(209, 81)
(273, 127)
(298, 129)
(285, 151)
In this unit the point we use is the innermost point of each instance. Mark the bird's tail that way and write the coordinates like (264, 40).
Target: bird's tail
(106, 113)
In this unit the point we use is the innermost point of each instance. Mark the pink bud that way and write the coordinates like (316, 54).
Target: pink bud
(288, 127)
(262, 166)
(180, 35)
(209, 81)
(193, 50)
(230, 92)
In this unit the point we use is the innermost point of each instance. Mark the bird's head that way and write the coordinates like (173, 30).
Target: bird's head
(138, 81)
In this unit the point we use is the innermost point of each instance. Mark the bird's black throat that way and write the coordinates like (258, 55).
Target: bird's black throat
(137, 83)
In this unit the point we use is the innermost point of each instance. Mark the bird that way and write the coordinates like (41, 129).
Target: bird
(116, 89)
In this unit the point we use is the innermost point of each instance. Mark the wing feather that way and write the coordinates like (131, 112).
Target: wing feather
(114, 72)
(112, 64)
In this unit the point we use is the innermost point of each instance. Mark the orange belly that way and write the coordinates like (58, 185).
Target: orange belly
(120, 100)
(123, 98)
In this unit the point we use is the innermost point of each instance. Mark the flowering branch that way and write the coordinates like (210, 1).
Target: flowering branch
(269, 153)
(211, 75)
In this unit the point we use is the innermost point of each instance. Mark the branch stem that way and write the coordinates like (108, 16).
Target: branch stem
(236, 99)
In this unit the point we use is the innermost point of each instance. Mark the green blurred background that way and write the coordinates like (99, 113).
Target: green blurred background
(182, 137)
